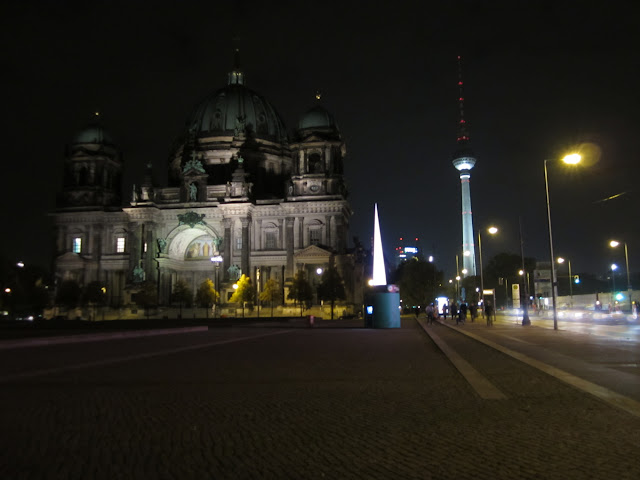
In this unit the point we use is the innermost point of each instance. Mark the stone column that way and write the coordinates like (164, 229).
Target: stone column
(280, 234)
(149, 256)
(327, 230)
(164, 287)
(290, 221)
(226, 257)
(301, 232)
(246, 245)
(60, 245)
(90, 242)
(134, 247)
(340, 242)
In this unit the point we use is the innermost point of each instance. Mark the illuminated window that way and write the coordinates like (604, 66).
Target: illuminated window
(77, 245)
(271, 240)
(120, 245)
(315, 236)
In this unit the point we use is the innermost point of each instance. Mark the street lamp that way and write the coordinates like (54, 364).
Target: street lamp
(492, 230)
(614, 267)
(258, 290)
(614, 244)
(561, 261)
(216, 261)
(571, 159)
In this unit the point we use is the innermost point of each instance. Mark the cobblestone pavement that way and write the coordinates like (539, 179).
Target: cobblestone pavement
(296, 403)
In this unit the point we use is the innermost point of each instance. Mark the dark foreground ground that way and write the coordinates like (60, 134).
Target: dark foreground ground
(282, 401)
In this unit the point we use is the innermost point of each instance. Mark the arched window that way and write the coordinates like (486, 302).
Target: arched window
(315, 232)
(270, 236)
(315, 163)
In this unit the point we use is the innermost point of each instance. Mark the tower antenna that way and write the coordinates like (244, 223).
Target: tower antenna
(463, 135)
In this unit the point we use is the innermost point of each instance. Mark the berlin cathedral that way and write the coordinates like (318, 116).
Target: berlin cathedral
(243, 196)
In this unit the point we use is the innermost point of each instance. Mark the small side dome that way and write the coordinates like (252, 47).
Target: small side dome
(317, 117)
(93, 134)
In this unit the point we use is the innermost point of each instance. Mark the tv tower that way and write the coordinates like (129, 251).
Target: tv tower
(464, 161)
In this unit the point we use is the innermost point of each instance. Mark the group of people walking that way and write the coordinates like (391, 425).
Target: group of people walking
(458, 312)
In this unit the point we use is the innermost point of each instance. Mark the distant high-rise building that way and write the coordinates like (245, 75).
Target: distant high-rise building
(464, 160)
(406, 248)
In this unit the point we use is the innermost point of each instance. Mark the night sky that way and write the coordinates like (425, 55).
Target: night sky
(540, 78)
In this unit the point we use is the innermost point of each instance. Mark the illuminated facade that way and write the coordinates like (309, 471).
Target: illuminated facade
(464, 161)
(240, 187)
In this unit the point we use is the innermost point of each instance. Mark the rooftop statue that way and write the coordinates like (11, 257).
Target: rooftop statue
(193, 164)
(240, 125)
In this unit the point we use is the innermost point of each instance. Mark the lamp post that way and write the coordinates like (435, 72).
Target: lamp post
(216, 261)
(613, 267)
(614, 244)
(258, 290)
(561, 261)
(571, 159)
(434, 275)
(492, 231)
(457, 279)
(525, 280)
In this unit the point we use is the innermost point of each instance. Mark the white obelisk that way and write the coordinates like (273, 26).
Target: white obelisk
(379, 274)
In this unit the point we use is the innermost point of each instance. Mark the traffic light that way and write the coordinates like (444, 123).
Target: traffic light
(576, 279)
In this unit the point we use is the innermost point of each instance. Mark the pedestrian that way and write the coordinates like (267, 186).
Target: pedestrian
(464, 308)
(473, 308)
(430, 314)
(454, 311)
(488, 312)
(445, 309)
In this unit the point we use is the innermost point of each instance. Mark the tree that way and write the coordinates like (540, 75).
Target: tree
(147, 296)
(301, 291)
(271, 292)
(206, 295)
(94, 295)
(182, 294)
(331, 287)
(68, 294)
(244, 292)
(506, 266)
(417, 280)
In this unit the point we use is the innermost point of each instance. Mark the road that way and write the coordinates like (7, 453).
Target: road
(617, 326)
(284, 402)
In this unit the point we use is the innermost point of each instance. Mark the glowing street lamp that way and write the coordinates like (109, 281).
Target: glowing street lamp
(217, 260)
(561, 261)
(571, 159)
(614, 244)
(492, 230)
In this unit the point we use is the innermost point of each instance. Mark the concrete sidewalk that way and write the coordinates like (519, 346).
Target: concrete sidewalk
(602, 366)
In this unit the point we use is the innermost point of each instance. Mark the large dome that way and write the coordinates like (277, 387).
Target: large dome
(317, 117)
(93, 134)
(220, 113)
